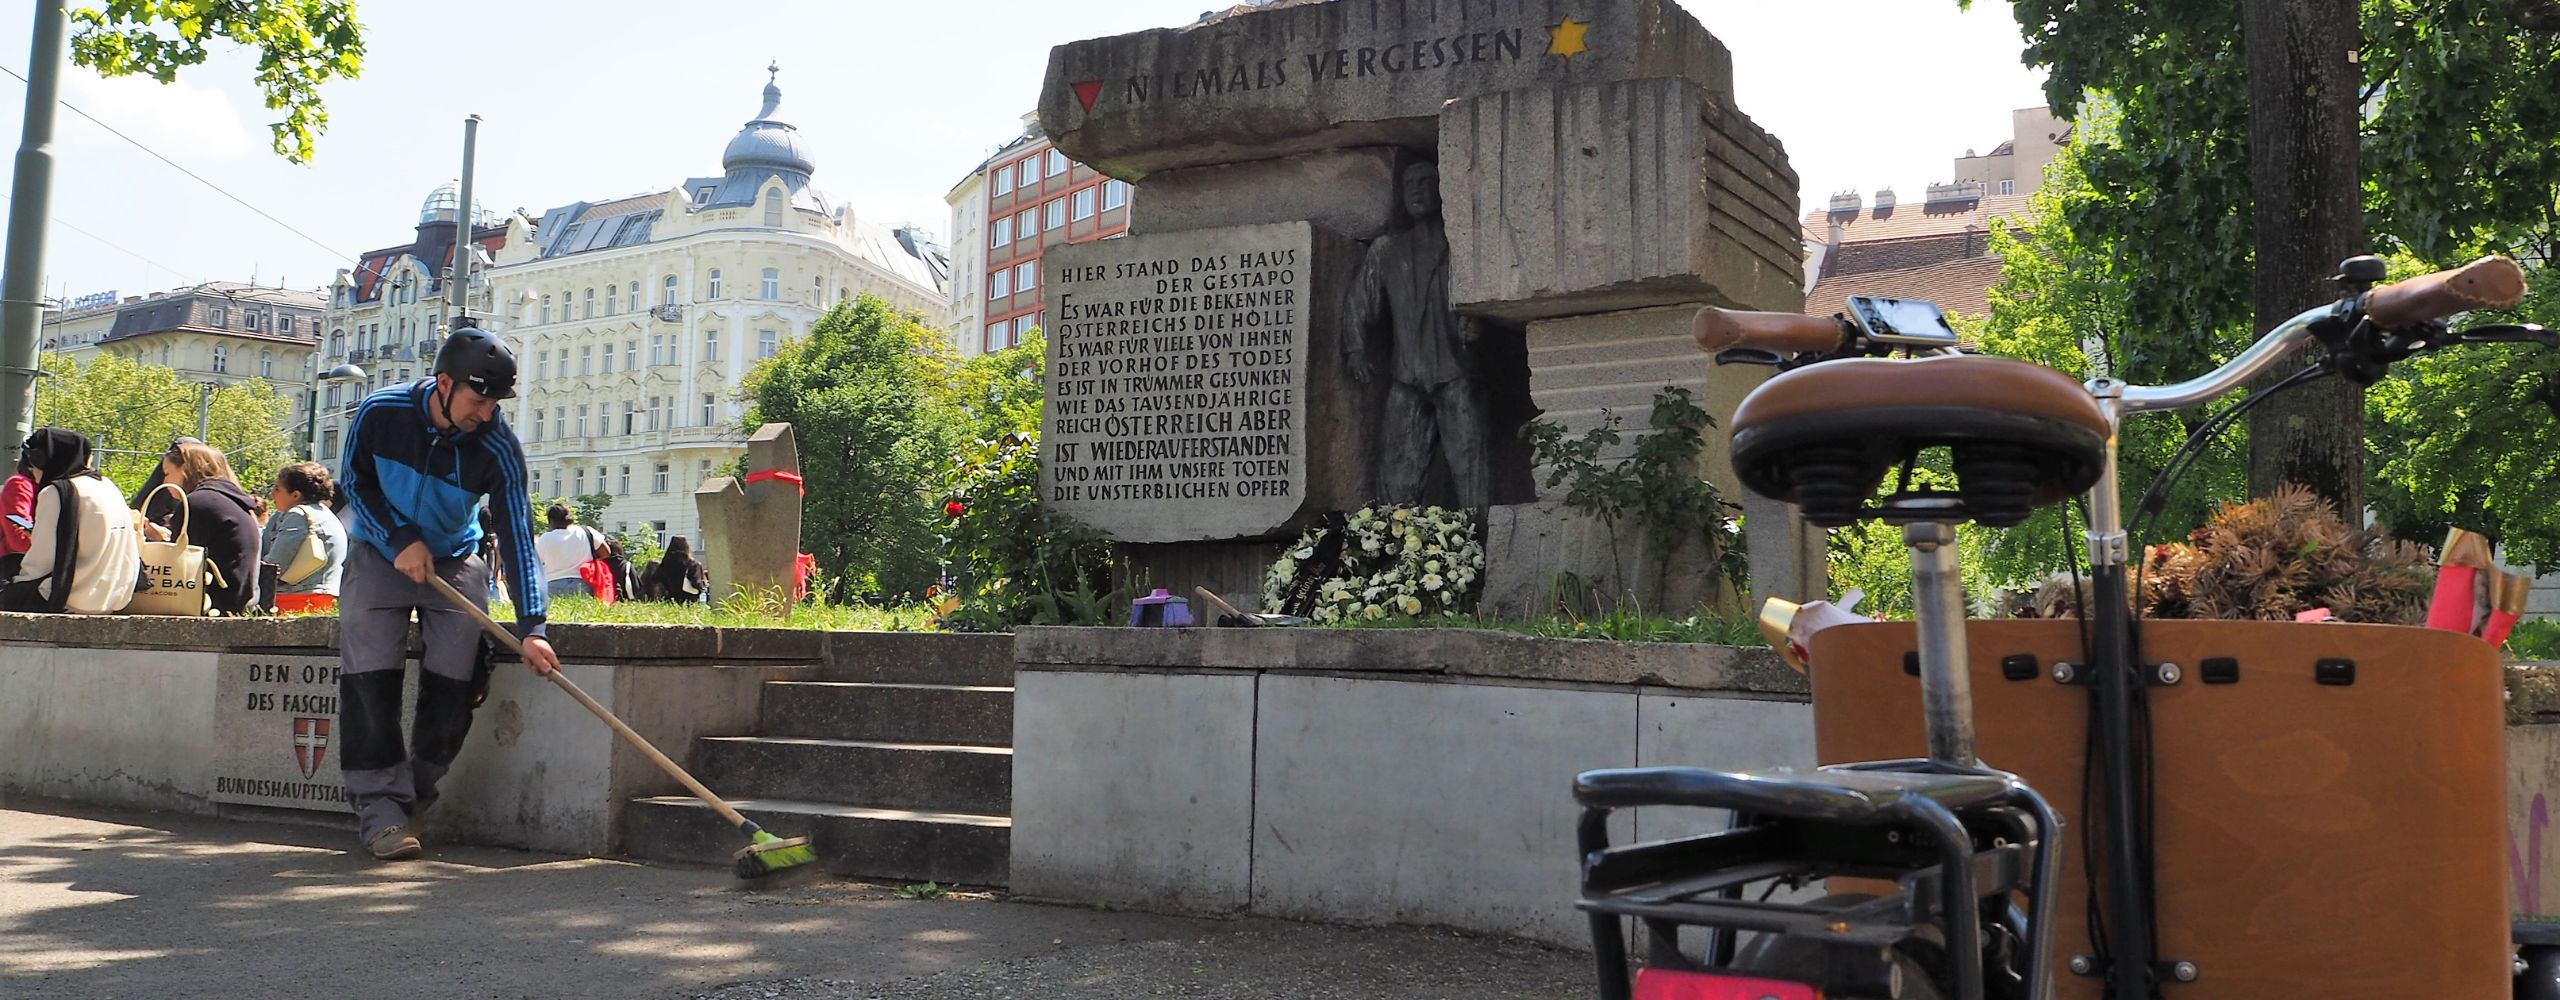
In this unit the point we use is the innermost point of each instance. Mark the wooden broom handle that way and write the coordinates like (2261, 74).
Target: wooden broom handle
(637, 742)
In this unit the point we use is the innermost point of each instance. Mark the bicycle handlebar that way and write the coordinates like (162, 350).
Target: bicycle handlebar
(2492, 282)
(1781, 333)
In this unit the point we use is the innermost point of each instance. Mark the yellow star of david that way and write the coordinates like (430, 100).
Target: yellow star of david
(1565, 38)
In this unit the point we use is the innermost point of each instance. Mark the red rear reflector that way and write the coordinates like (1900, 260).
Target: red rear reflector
(1671, 984)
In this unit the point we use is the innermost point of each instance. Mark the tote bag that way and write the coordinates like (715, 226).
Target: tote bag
(172, 581)
(598, 573)
(311, 558)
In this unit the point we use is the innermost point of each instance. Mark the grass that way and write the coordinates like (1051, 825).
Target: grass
(926, 890)
(736, 614)
(2535, 639)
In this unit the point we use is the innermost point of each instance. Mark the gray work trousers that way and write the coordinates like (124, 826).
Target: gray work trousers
(1446, 419)
(389, 781)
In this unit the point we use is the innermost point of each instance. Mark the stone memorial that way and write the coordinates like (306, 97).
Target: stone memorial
(751, 526)
(1585, 171)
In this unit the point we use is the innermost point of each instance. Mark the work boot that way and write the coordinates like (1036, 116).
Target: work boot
(394, 843)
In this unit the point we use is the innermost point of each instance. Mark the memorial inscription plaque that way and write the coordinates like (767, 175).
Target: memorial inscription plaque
(276, 733)
(1179, 382)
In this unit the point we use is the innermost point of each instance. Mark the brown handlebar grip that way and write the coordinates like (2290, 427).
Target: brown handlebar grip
(2493, 282)
(1786, 333)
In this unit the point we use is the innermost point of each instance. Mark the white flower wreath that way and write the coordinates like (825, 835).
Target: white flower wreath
(1394, 561)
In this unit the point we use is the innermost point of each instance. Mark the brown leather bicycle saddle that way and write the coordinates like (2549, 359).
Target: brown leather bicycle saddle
(1823, 436)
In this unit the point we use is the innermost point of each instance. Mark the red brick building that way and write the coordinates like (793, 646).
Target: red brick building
(1025, 198)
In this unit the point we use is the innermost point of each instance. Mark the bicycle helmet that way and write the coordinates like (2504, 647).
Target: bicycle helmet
(477, 358)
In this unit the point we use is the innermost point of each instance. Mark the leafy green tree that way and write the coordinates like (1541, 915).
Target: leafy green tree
(301, 44)
(131, 411)
(859, 392)
(994, 394)
(2456, 149)
(2462, 438)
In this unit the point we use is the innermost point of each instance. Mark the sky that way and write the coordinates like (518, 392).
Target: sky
(896, 100)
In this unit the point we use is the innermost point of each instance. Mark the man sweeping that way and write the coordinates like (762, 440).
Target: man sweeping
(421, 460)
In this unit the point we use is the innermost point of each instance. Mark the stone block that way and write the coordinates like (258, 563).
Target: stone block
(110, 725)
(1196, 389)
(1449, 653)
(1598, 196)
(1789, 558)
(1679, 729)
(1528, 546)
(751, 527)
(918, 658)
(1134, 788)
(1351, 192)
(1266, 83)
(1388, 801)
(1584, 369)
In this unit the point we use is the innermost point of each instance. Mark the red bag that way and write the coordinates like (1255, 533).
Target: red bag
(599, 578)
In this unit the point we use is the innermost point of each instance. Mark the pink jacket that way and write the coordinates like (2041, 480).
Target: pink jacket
(17, 499)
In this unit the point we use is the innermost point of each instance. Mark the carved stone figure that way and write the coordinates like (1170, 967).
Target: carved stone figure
(1433, 406)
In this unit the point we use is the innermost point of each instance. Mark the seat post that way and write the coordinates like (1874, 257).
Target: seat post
(1937, 601)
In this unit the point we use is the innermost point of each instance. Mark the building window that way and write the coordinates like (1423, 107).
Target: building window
(612, 299)
(630, 417)
(772, 287)
(1057, 163)
(1056, 211)
(608, 357)
(546, 308)
(537, 424)
(590, 311)
(1026, 276)
(658, 479)
(1003, 233)
(1004, 179)
(542, 365)
(773, 209)
(995, 335)
(216, 316)
(768, 343)
(631, 354)
(221, 358)
(586, 361)
(2008, 187)
(1000, 284)
(636, 304)
(337, 343)
(329, 442)
(623, 485)
(1114, 194)
(707, 401)
(248, 320)
(1084, 205)
(1027, 224)
(667, 291)
(560, 419)
(1030, 170)
(581, 480)
(284, 324)
(715, 284)
(658, 349)
(710, 345)
(658, 411)
(266, 364)
(582, 420)
(1023, 325)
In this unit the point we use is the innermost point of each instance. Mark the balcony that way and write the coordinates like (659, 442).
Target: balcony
(669, 313)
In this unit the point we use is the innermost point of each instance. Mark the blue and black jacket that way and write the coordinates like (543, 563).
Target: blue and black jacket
(408, 482)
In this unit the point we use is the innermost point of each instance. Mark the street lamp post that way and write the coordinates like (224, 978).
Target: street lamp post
(311, 424)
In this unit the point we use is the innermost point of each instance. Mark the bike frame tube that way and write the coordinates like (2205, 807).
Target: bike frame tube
(1937, 598)
(2114, 678)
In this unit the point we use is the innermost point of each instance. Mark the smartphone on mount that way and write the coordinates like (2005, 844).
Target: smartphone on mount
(1901, 322)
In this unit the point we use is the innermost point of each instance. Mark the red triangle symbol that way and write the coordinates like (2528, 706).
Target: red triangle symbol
(1087, 91)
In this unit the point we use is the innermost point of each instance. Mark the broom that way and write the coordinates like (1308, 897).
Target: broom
(764, 855)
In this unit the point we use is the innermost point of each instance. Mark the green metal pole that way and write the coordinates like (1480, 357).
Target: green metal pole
(30, 206)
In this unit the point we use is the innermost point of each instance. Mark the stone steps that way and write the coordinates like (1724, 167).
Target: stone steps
(975, 715)
(849, 840)
(924, 776)
(894, 756)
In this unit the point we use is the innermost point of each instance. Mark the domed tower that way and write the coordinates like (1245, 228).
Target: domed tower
(767, 148)
(441, 203)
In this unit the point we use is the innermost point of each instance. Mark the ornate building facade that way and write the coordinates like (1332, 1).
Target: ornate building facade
(638, 318)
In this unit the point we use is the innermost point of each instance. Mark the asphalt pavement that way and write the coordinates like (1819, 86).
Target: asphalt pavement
(107, 904)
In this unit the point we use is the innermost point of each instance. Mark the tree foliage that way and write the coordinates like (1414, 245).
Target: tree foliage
(860, 392)
(2463, 439)
(131, 411)
(301, 44)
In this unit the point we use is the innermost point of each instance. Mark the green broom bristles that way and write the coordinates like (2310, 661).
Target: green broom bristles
(770, 854)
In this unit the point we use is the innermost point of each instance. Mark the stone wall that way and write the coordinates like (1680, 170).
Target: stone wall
(1419, 777)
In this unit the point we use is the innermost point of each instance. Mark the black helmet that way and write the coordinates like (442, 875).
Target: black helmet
(477, 358)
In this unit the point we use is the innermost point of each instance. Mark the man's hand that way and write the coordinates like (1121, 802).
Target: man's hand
(415, 562)
(1359, 368)
(539, 657)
